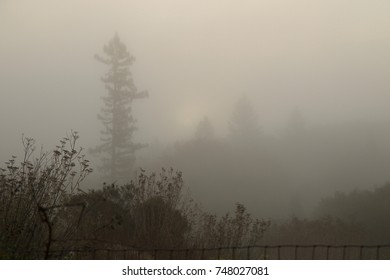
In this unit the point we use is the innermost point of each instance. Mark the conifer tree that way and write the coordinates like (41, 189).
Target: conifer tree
(204, 130)
(118, 148)
(244, 125)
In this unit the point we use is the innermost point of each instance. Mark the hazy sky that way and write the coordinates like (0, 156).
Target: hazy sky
(330, 59)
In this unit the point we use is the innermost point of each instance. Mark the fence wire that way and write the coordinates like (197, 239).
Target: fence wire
(255, 252)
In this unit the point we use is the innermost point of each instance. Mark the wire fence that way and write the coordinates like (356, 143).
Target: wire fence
(264, 252)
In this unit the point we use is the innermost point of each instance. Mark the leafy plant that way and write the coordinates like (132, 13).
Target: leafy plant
(240, 229)
(33, 192)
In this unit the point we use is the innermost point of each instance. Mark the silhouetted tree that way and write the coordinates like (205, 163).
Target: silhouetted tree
(244, 125)
(118, 147)
(204, 130)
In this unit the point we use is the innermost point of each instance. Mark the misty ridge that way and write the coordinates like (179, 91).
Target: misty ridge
(220, 161)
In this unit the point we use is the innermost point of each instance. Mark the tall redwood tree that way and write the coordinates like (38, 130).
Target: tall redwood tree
(118, 149)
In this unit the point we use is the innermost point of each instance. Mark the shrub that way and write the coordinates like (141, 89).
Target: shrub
(240, 229)
(33, 192)
(368, 208)
(325, 230)
(150, 212)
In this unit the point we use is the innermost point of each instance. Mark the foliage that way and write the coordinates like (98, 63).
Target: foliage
(325, 230)
(150, 212)
(370, 209)
(240, 229)
(153, 212)
(43, 210)
(33, 193)
(117, 148)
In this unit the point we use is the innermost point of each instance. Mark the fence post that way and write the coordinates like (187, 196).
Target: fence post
(296, 252)
(344, 251)
(327, 252)
(186, 254)
(313, 252)
(377, 252)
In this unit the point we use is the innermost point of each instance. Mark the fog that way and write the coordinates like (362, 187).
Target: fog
(326, 61)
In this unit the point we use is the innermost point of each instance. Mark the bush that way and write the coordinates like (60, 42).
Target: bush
(159, 209)
(43, 211)
(32, 194)
(150, 212)
(325, 230)
(240, 229)
(153, 212)
(368, 208)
